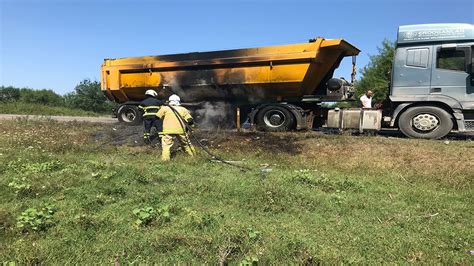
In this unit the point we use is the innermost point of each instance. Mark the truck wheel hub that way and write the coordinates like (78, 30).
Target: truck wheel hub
(274, 118)
(128, 116)
(425, 122)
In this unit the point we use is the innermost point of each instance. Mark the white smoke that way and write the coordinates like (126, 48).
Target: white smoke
(173, 87)
(208, 115)
(214, 115)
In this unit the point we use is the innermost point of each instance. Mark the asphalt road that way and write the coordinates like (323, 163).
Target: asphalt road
(102, 120)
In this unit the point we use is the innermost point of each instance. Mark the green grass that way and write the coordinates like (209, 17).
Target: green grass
(22, 108)
(331, 199)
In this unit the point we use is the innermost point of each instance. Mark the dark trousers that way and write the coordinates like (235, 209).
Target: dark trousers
(152, 121)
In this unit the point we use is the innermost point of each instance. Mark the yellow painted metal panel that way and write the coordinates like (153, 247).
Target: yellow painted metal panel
(272, 71)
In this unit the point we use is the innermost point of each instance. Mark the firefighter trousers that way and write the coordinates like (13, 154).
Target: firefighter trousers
(167, 141)
(150, 121)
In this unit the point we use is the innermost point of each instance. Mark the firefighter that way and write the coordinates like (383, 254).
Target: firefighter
(175, 117)
(150, 106)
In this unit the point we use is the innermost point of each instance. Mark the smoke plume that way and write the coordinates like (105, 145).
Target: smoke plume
(212, 115)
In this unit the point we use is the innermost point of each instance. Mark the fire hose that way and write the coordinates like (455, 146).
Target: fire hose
(188, 130)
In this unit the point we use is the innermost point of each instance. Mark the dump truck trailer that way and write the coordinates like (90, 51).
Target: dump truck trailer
(279, 88)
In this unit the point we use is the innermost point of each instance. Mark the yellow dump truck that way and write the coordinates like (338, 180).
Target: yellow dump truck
(275, 87)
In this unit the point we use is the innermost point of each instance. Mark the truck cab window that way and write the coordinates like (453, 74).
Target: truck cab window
(451, 60)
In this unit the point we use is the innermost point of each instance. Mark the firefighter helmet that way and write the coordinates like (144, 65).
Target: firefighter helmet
(151, 93)
(174, 100)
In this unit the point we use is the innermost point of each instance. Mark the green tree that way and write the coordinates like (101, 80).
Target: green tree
(45, 97)
(376, 76)
(9, 94)
(88, 96)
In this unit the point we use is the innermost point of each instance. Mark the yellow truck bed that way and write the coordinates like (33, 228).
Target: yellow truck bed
(255, 74)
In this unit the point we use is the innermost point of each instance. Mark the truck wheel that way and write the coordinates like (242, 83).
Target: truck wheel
(275, 118)
(129, 114)
(426, 122)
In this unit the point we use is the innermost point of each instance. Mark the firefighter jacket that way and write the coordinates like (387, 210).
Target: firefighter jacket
(171, 123)
(150, 106)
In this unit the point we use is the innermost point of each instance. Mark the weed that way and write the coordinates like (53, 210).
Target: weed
(147, 215)
(253, 234)
(141, 179)
(20, 185)
(164, 213)
(323, 182)
(249, 261)
(107, 174)
(19, 166)
(202, 221)
(33, 220)
(338, 197)
(96, 164)
(88, 222)
(144, 216)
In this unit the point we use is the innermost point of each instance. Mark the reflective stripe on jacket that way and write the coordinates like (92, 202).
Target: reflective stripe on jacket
(171, 124)
(150, 106)
(150, 110)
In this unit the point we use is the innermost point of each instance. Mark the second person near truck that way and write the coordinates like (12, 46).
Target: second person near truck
(150, 106)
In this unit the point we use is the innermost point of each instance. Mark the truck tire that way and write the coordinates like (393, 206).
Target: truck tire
(275, 118)
(426, 122)
(129, 114)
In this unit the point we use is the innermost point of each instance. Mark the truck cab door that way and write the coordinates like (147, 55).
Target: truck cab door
(451, 77)
(411, 71)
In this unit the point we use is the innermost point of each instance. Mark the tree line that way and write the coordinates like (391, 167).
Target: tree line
(86, 96)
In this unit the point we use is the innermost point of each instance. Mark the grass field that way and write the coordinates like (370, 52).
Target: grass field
(327, 198)
(22, 108)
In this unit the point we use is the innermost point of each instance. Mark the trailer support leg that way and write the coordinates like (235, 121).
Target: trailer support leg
(238, 119)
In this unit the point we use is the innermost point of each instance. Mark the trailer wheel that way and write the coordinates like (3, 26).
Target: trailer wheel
(426, 122)
(275, 118)
(129, 114)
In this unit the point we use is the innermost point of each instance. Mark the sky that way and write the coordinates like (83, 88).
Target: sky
(54, 44)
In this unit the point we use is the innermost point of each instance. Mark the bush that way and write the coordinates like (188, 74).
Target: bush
(9, 94)
(88, 96)
(26, 95)
(46, 97)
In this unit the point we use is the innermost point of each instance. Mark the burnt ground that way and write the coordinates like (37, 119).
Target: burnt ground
(291, 143)
(119, 134)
